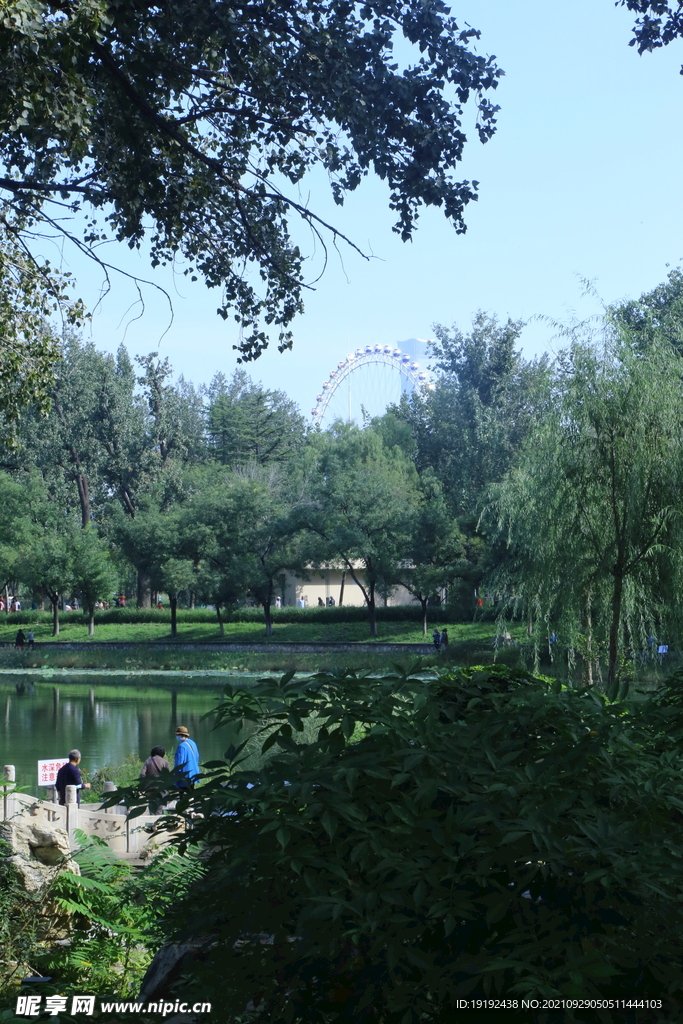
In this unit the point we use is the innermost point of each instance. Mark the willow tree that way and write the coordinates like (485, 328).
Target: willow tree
(594, 505)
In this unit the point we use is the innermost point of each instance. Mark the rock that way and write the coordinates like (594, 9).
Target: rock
(166, 968)
(37, 853)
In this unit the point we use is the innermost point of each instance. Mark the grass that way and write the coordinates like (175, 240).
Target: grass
(73, 629)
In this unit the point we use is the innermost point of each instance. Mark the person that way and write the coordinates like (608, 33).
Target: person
(20, 640)
(155, 763)
(186, 759)
(444, 638)
(122, 601)
(17, 605)
(553, 638)
(436, 637)
(70, 775)
(278, 601)
(321, 603)
(75, 604)
(301, 603)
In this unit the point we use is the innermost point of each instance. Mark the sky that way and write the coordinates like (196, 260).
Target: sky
(581, 182)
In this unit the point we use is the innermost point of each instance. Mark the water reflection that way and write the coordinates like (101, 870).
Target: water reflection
(107, 720)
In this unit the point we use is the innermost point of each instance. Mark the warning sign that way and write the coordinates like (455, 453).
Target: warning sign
(47, 770)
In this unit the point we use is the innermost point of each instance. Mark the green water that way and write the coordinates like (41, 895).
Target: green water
(107, 717)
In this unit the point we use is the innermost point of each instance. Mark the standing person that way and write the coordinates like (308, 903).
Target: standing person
(70, 775)
(155, 764)
(444, 639)
(278, 601)
(186, 759)
(20, 640)
(436, 637)
(30, 638)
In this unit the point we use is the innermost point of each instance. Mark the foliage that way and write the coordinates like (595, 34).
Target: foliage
(22, 924)
(469, 428)
(490, 834)
(359, 507)
(121, 774)
(182, 126)
(108, 923)
(93, 574)
(31, 292)
(435, 552)
(592, 513)
(650, 32)
(246, 423)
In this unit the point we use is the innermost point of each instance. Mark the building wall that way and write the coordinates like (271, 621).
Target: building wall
(324, 583)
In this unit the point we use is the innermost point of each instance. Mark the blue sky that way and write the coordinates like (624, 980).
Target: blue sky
(581, 181)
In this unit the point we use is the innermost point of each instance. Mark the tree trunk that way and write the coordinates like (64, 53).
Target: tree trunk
(144, 590)
(612, 671)
(84, 498)
(530, 624)
(341, 589)
(589, 641)
(54, 598)
(268, 616)
(193, 598)
(372, 608)
(173, 601)
(91, 622)
(6, 600)
(423, 602)
(220, 619)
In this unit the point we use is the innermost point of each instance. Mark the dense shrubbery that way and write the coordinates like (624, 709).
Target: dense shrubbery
(490, 834)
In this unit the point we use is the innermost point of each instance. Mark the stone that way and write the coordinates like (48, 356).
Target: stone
(37, 853)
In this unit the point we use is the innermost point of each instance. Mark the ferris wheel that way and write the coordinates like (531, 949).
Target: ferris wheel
(365, 383)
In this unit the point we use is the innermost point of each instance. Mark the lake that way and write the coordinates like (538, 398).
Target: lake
(106, 717)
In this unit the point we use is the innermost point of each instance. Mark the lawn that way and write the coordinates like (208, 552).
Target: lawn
(72, 630)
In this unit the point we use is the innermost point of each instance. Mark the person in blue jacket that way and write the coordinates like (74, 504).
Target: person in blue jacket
(186, 758)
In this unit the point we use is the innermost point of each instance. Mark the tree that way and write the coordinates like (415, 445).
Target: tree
(48, 565)
(181, 125)
(246, 423)
(155, 541)
(435, 552)
(650, 33)
(221, 512)
(471, 425)
(15, 527)
(31, 292)
(361, 501)
(93, 574)
(246, 532)
(595, 502)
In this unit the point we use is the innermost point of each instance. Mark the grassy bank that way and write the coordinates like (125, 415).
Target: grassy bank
(147, 658)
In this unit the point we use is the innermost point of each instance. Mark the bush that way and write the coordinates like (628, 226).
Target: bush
(491, 835)
(397, 613)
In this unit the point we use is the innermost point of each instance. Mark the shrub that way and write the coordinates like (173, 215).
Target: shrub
(491, 834)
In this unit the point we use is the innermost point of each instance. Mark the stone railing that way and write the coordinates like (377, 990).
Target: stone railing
(108, 823)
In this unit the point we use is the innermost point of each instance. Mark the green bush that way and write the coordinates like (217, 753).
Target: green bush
(491, 835)
(121, 774)
(131, 614)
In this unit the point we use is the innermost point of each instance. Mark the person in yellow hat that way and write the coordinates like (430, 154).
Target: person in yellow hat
(186, 759)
